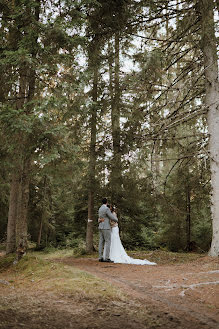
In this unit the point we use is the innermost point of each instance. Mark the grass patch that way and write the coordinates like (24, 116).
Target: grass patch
(46, 287)
(157, 256)
(166, 257)
(40, 271)
(6, 262)
(53, 253)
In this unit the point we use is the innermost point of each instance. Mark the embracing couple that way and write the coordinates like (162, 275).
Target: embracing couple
(105, 218)
(110, 246)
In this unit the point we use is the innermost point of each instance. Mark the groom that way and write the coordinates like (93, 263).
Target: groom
(105, 230)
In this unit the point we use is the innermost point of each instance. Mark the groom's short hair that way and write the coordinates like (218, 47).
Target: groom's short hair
(104, 201)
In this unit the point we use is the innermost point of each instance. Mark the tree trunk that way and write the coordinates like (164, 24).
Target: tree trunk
(40, 233)
(43, 215)
(116, 181)
(89, 233)
(188, 218)
(212, 104)
(12, 214)
(155, 164)
(19, 194)
(22, 208)
(92, 155)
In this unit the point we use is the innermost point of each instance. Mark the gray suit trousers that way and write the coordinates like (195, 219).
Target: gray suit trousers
(105, 238)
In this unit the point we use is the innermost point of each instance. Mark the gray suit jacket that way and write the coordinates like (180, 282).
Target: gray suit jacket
(104, 212)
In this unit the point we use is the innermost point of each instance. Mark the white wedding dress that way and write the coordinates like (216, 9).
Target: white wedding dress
(118, 253)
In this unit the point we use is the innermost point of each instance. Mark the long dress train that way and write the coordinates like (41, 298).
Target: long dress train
(118, 253)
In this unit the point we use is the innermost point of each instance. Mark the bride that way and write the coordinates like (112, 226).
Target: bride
(117, 252)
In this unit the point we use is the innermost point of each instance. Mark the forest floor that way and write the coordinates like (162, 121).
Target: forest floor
(62, 291)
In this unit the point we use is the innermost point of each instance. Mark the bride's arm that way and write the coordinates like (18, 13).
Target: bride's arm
(111, 216)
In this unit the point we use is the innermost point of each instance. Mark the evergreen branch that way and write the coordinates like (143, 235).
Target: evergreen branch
(184, 73)
(182, 104)
(169, 15)
(183, 34)
(185, 52)
(147, 38)
(186, 118)
(16, 98)
(178, 79)
(173, 137)
(176, 40)
(171, 169)
(188, 156)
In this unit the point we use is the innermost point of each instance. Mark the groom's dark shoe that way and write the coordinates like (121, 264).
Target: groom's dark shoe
(101, 260)
(108, 261)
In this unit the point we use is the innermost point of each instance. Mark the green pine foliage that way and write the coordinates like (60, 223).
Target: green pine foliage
(164, 171)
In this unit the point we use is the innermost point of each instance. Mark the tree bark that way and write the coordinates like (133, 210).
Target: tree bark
(212, 104)
(92, 152)
(188, 218)
(22, 207)
(19, 194)
(116, 181)
(12, 215)
(43, 215)
(40, 232)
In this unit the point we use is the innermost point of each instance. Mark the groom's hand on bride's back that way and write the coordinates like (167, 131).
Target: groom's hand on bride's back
(100, 220)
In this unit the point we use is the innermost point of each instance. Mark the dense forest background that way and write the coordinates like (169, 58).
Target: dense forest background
(104, 99)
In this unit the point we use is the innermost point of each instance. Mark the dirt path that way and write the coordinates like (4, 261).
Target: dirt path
(180, 295)
(188, 294)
